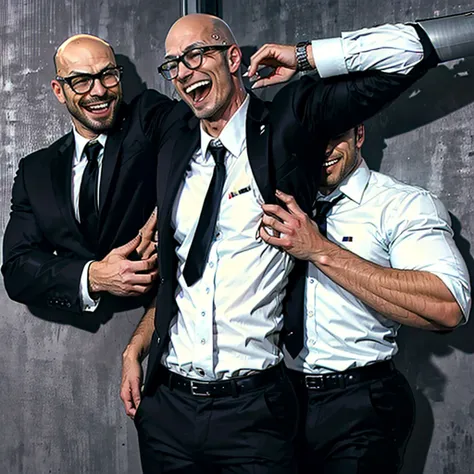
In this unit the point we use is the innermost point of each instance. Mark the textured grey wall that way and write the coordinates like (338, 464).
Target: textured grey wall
(59, 384)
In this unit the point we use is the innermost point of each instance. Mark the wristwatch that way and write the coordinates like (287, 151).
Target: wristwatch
(302, 63)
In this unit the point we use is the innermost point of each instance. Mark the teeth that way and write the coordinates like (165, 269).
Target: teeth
(330, 163)
(98, 106)
(196, 85)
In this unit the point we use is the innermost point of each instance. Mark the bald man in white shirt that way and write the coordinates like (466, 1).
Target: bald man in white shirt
(388, 259)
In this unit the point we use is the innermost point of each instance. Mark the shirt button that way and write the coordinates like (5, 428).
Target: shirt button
(311, 281)
(218, 235)
(203, 341)
(310, 314)
(211, 265)
(200, 371)
(312, 342)
(207, 291)
(203, 313)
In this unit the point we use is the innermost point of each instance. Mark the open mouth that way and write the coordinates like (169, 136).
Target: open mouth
(99, 108)
(331, 162)
(199, 90)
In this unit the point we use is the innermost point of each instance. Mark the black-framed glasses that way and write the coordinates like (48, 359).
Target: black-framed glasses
(192, 59)
(83, 83)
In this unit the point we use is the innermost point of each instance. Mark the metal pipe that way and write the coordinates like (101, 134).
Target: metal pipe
(452, 36)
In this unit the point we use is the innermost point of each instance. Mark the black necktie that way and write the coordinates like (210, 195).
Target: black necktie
(294, 303)
(88, 210)
(199, 251)
(322, 209)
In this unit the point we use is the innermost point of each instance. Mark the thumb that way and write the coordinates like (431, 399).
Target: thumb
(126, 249)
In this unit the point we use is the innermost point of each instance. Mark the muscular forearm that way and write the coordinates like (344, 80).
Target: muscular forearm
(140, 341)
(410, 297)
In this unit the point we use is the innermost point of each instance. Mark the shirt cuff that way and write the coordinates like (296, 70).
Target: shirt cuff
(88, 304)
(329, 57)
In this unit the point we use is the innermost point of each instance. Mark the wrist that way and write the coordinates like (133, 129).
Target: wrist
(324, 252)
(303, 51)
(133, 352)
(93, 280)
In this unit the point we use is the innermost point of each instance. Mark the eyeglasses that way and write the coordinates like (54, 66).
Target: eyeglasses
(192, 59)
(83, 83)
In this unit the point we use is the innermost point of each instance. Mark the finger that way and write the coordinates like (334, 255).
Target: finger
(142, 279)
(290, 202)
(277, 211)
(270, 239)
(258, 58)
(150, 225)
(135, 389)
(276, 225)
(127, 399)
(126, 249)
(143, 265)
(149, 251)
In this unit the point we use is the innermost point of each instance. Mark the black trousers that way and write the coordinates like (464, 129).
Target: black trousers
(360, 429)
(252, 432)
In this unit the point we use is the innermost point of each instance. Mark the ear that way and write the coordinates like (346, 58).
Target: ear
(234, 58)
(360, 136)
(58, 91)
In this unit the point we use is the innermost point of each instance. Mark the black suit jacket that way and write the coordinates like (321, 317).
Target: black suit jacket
(44, 251)
(286, 141)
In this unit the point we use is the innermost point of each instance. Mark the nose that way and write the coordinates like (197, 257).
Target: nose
(97, 88)
(183, 71)
(329, 149)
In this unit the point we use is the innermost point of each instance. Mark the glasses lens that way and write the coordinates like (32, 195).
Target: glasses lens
(169, 70)
(192, 59)
(110, 77)
(81, 84)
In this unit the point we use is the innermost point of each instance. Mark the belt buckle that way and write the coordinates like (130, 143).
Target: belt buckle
(195, 387)
(314, 382)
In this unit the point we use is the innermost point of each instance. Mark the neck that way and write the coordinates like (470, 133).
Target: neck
(215, 125)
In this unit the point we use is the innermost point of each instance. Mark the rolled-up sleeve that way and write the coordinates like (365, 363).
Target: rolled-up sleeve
(387, 48)
(421, 238)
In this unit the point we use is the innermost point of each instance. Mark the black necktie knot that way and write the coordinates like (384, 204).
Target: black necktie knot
(92, 150)
(218, 152)
(322, 210)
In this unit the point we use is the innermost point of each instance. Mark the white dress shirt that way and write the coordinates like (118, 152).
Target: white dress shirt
(79, 164)
(393, 225)
(228, 322)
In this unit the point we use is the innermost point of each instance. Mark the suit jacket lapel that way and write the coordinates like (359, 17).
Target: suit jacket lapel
(109, 165)
(258, 146)
(61, 177)
(186, 143)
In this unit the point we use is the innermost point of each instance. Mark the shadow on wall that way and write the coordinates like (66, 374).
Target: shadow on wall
(439, 93)
(132, 83)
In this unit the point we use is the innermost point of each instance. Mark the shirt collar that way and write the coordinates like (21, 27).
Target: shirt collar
(232, 136)
(81, 143)
(353, 186)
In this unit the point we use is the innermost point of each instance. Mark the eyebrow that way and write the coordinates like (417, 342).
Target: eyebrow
(196, 44)
(82, 73)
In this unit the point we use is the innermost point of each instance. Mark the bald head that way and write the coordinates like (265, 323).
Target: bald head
(82, 49)
(88, 83)
(210, 29)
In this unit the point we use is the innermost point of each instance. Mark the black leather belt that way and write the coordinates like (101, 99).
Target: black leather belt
(343, 379)
(223, 388)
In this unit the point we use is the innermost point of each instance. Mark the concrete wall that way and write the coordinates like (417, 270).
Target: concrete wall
(59, 384)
